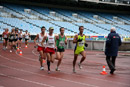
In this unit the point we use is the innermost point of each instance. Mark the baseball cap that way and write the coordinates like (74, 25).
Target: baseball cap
(51, 28)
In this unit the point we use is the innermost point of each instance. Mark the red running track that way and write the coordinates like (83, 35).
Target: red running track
(23, 71)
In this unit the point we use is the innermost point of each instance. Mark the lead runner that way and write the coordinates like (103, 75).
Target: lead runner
(79, 39)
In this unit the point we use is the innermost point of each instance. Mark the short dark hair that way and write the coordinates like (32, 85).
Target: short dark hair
(80, 26)
(61, 28)
(42, 27)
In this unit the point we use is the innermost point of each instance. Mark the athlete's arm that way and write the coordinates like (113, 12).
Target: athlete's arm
(75, 39)
(29, 35)
(57, 37)
(44, 39)
(36, 39)
(66, 40)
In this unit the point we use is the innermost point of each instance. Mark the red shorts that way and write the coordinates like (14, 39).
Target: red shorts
(50, 50)
(41, 48)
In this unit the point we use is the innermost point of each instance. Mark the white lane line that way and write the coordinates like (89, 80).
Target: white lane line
(1, 86)
(70, 81)
(71, 74)
(21, 79)
(34, 53)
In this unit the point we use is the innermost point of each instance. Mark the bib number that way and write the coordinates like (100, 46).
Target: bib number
(5, 36)
(81, 43)
(27, 37)
(12, 37)
(51, 42)
(61, 43)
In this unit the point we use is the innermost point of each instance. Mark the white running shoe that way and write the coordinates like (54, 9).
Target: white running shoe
(57, 69)
(42, 68)
(80, 66)
(74, 71)
(10, 51)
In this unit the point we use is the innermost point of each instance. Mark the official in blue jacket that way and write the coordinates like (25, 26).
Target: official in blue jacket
(111, 51)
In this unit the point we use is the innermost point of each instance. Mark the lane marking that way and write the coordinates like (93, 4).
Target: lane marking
(21, 79)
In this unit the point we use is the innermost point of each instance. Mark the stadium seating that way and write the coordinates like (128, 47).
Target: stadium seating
(40, 16)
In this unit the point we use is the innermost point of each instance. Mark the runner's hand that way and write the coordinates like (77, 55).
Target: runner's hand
(86, 45)
(55, 48)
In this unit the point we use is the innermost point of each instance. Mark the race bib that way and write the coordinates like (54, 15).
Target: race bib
(5, 36)
(81, 43)
(12, 37)
(27, 37)
(51, 42)
(61, 43)
(16, 37)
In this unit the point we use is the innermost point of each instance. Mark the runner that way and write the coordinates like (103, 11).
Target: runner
(26, 35)
(79, 48)
(5, 39)
(20, 35)
(40, 48)
(50, 47)
(61, 40)
(12, 39)
(16, 38)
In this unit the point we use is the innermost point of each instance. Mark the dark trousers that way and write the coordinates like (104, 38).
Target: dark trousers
(111, 61)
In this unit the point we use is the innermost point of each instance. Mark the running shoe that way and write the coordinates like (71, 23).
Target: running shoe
(42, 68)
(80, 66)
(10, 51)
(74, 71)
(57, 69)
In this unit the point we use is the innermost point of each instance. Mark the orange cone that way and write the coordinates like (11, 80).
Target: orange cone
(26, 46)
(17, 48)
(44, 61)
(103, 71)
(20, 53)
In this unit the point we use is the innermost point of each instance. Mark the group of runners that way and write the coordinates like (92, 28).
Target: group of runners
(51, 47)
(14, 37)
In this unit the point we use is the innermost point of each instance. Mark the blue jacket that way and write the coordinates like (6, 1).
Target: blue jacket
(112, 44)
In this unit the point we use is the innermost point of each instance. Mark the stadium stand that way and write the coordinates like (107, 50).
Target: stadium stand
(95, 23)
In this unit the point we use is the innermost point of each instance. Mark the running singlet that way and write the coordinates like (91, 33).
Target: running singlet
(16, 36)
(12, 36)
(40, 40)
(26, 36)
(20, 35)
(80, 45)
(50, 41)
(5, 35)
(60, 42)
